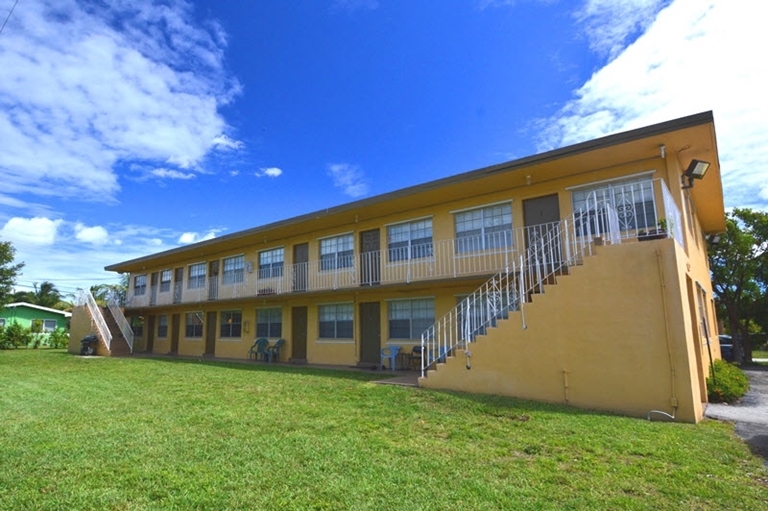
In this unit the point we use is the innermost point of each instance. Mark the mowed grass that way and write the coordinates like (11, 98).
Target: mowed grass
(141, 433)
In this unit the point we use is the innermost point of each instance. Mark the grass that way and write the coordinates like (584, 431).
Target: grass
(759, 354)
(137, 433)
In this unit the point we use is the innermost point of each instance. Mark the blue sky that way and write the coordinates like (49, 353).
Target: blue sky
(131, 127)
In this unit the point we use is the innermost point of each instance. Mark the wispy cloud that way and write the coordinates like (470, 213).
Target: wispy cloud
(695, 56)
(269, 172)
(349, 179)
(171, 174)
(193, 237)
(88, 87)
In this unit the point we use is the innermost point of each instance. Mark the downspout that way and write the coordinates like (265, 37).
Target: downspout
(673, 400)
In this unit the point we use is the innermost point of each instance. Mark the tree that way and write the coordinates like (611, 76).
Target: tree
(8, 272)
(739, 265)
(103, 292)
(45, 295)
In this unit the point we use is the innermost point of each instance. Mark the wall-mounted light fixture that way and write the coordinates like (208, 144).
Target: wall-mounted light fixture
(695, 170)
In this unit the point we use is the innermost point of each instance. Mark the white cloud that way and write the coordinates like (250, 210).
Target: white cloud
(269, 172)
(171, 174)
(349, 179)
(32, 231)
(79, 96)
(193, 237)
(696, 56)
(96, 235)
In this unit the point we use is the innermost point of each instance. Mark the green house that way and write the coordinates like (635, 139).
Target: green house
(25, 313)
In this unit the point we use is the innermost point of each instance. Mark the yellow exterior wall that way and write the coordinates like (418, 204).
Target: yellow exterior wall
(79, 327)
(590, 357)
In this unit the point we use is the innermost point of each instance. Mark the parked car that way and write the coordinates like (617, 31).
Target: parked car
(726, 347)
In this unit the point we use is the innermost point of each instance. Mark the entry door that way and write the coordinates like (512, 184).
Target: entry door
(299, 334)
(370, 333)
(153, 289)
(542, 236)
(178, 284)
(213, 280)
(210, 333)
(150, 334)
(370, 258)
(175, 322)
(300, 266)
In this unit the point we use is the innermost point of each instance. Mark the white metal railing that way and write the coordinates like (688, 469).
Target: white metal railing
(122, 323)
(551, 249)
(85, 297)
(639, 208)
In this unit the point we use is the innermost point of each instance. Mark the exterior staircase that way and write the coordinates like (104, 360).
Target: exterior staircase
(109, 324)
(118, 347)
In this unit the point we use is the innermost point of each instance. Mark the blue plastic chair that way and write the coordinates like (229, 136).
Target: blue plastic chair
(390, 352)
(259, 348)
(273, 352)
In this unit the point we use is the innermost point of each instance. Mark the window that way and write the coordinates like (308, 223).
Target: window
(194, 324)
(233, 269)
(196, 276)
(165, 281)
(632, 200)
(162, 326)
(49, 325)
(140, 285)
(410, 241)
(337, 252)
(231, 323)
(484, 229)
(408, 319)
(271, 263)
(269, 322)
(336, 321)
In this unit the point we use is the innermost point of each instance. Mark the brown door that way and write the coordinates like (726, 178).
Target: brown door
(370, 258)
(299, 334)
(213, 280)
(153, 289)
(178, 284)
(175, 322)
(210, 334)
(370, 333)
(300, 266)
(150, 334)
(542, 231)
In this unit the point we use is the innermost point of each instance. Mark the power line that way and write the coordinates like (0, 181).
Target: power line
(9, 16)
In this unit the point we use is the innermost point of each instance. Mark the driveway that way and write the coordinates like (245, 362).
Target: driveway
(750, 414)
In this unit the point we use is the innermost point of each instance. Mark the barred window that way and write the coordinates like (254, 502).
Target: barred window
(336, 321)
(411, 240)
(408, 319)
(484, 229)
(337, 252)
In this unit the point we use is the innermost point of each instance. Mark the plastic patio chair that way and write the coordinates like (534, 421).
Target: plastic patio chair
(390, 352)
(259, 348)
(273, 352)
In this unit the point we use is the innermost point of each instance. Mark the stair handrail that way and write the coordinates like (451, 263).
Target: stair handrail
(86, 298)
(122, 322)
(551, 248)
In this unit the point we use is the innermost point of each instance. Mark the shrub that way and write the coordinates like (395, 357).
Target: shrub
(15, 335)
(59, 338)
(727, 383)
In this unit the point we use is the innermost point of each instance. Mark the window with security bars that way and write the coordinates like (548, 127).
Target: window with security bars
(196, 276)
(165, 280)
(140, 285)
(162, 326)
(336, 321)
(632, 200)
(231, 324)
(337, 252)
(234, 268)
(412, 240)
(269, 322)
(271, 263)
(484, 228)
(408, 319)
(194, 324)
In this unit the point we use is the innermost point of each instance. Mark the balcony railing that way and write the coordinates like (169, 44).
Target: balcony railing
(638, 208)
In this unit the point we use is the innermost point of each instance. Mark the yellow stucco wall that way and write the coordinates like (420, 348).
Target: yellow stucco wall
(79, 327)
(574, 351)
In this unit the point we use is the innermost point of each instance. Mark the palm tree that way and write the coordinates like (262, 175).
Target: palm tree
(45, 295)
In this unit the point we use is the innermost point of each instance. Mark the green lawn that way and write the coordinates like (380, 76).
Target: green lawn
(100, 433)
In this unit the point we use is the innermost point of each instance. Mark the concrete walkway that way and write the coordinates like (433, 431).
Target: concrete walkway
(750, 414)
